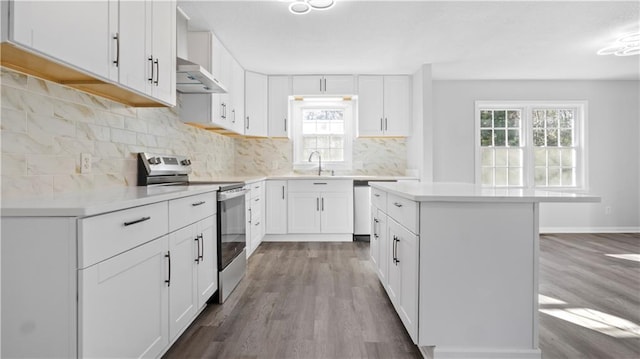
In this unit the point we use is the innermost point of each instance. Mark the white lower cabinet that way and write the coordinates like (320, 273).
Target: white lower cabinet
(276, 207)
(193, 279)
(394, 254)
(255, 226)
(320, 206)
(121, 301)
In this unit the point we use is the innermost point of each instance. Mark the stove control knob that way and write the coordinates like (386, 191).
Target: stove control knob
(154, 160)
(185, 162)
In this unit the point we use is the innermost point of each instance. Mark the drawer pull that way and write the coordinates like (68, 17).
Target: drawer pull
(137, 221)
(319, 182)
(257, 199)
(257, 223)
(397, 204)
(376, 194)
(198, 203)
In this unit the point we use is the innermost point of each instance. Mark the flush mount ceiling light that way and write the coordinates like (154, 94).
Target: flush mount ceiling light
(300, 7)
(625, 45)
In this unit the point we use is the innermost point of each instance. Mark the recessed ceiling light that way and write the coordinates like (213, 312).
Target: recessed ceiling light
(299, 7)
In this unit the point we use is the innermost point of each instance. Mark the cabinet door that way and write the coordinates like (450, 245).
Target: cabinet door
(374, 241)
(397, 103)
(276, 207)
(383, 248)
(394, 280)
(208, 263)
(134, 62)
(308, 85)
(248, 221)
(75, 32)
(303, 212)
(338, 85)
(124, 301)
(336, 209)
(163, 40)
(236, 116)
(370, 105)
(256, 104)
(278, 99)
(182, 292)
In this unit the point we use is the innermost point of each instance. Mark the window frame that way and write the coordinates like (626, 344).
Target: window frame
(297, 107)
(526, 108)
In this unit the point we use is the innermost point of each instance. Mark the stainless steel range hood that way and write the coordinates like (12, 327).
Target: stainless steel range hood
(191, 77)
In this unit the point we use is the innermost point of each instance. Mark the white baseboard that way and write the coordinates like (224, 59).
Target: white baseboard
(308, 238)
(485, 353)
(589, 230)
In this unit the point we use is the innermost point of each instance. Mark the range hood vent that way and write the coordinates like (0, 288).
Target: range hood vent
(193, 78)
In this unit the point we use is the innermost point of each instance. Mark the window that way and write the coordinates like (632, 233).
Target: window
(323, 126)
(530, 144)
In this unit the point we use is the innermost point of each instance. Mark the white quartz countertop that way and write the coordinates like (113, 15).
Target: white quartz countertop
(297, 176)
(462, 192)
(91, 203)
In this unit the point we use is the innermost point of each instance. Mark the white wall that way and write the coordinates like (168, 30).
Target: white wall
(420, 143)
(613, 127)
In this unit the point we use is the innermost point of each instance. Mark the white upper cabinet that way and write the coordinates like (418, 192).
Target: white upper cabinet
(384, 105)
(127, 44)
(163, 50)
(256, 88)
(215, 110)
(323, 85)
(75, 32)
(278, 97)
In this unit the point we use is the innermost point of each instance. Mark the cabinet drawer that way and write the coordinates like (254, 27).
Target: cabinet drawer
(404, 211)
(106, 235)
(320, 185)
(256, 189)
(379, 199)
(187, 210)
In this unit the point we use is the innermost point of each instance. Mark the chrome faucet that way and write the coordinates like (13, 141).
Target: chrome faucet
(319, 161)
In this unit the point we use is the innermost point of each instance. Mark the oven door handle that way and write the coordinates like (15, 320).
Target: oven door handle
(223, 196)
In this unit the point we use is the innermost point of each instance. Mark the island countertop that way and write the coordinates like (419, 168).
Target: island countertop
(464, 192)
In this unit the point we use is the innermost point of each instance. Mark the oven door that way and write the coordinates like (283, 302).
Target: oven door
(231, 226)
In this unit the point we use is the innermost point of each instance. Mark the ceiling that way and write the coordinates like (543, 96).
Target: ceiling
(462, 40)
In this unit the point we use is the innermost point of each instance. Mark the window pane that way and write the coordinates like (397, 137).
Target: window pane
(485, 138)
(337, 142)
(566, 118)
(568, 179)
(500, 119)
(538, 138)
(552, 137)
(324, 141)
(336, 155)
(515, 158)
(515, 176)
(486, 119)
(554, 157)
(551, 118)
(501, 177)
(502, 156)
(308, 128)
(487, 157)
(540, 176)
(568, 157)
(309, 142)
(487, 176)
(337, 127)
(554, 176)
(323, 127)
(540, 157)
(514, 138)
(538, 119)
(513, 119)
(306, 153)
(566, 138)
(499, 138)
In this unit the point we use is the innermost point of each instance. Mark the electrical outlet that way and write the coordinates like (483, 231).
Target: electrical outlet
(85, 163)
(607, 210)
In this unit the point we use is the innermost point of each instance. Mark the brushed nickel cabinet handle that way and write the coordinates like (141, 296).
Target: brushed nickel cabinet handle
(397, 204)
(198, 203)
(143, 219)
(117, 60)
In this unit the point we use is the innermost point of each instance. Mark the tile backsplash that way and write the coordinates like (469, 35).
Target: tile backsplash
(45, 127)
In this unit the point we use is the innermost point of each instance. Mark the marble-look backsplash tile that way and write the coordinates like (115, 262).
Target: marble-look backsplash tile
(45, 127)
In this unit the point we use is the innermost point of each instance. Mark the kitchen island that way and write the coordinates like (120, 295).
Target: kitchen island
(460, 264)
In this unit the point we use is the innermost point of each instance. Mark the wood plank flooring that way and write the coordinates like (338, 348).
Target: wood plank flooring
(301, 300)
(323, 300)
(575, 270)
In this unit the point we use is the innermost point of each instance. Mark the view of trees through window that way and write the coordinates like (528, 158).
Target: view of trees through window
(323, 130)
(501, 154)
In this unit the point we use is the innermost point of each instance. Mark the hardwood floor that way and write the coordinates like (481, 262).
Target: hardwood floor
(323, 300)
(301, 300)
(575, 270)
